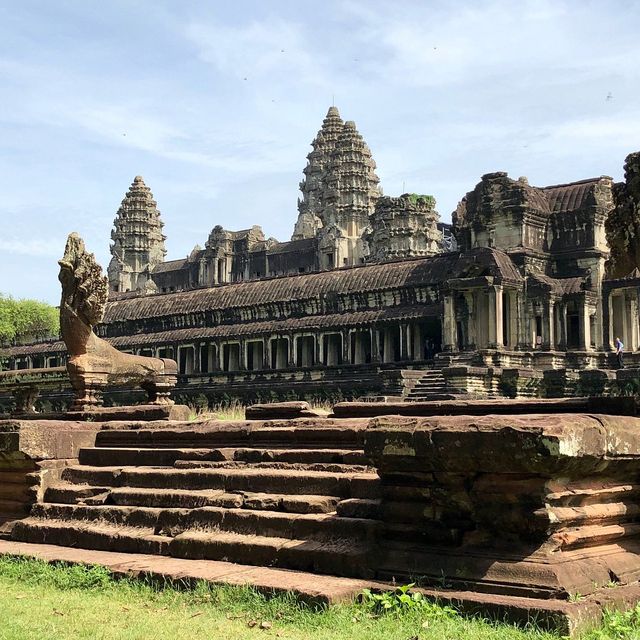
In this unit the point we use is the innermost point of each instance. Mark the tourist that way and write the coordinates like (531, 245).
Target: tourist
(619, 351)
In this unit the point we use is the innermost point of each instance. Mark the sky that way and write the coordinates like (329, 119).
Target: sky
(215, 104)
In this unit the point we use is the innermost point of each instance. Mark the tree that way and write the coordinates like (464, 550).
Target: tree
(23, 321)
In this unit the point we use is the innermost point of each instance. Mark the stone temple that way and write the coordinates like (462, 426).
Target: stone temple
(524, 294)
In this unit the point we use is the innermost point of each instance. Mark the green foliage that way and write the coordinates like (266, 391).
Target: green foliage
(403, 599)
(626, 388)
(23, 321)
(39, 600)
(618, 625)
(415, 198)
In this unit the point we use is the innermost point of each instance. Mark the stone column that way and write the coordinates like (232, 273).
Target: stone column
(472, 317)
(197, 357)
(449, 341)
(242, 356)
(633, 320)
(292, 350)
(585, 327)
(626, 324)
(404, 344)
(552, 325)
(514, 318)
(346, 347)
(609, 323)
(215, 264)
(267, 352)
(375, 345)
(494, 317)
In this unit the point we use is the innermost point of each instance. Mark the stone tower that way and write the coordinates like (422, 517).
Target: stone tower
(138, 243)
(349, 197)
(404, 227)
(312, 186)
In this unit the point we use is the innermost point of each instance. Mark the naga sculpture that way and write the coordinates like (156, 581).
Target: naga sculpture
(93, 363)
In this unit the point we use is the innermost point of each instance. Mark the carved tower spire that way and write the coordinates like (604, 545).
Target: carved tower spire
(138, 242)
(312, 186)
(351, 190)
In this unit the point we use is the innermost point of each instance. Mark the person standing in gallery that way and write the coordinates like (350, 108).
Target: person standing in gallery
(619, 351)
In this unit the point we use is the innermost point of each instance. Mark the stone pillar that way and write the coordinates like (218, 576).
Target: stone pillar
(242, 355)
(292, 350)
(626, 324)
(494, 317)
(514, 319)
(375, 345)
(499, 316)
(472, 317)
(214, 263)
(562, 326)
(585, 327)
(267, 352)
(197, 356)
(632, 312)
(346, 347)
(449, 338)
(404, 345)
(552, 325)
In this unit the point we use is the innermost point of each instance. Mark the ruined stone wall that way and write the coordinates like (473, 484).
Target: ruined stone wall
(623, 224)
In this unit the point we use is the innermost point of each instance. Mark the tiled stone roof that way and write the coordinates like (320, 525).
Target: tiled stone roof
(304, 244)
(571, 196)
(558, 286)
(328, 321)
(406, 273)
(433, 271)
(170, 265)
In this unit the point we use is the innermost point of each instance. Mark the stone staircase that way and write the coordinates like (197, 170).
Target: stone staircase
(431, 386)
(283, 494)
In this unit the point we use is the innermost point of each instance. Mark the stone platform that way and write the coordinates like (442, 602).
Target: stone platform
(504, 511)
(567, 618)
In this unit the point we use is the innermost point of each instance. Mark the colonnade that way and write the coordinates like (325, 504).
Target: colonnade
(393, 342)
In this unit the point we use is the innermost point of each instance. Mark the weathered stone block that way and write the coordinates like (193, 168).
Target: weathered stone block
(530, 505)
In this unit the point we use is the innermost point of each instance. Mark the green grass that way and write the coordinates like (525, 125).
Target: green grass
(41, 601)
(237, 410)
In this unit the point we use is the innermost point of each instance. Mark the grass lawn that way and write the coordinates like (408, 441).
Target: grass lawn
(41, 601)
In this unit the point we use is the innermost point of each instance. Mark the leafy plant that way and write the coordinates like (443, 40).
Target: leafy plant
(26, 320)
(403, 599)
(618, 625)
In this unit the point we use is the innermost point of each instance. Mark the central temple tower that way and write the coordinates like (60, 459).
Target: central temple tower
(138, 243)
(339, 193)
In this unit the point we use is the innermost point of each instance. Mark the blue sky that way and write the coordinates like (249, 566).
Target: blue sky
(215, 104)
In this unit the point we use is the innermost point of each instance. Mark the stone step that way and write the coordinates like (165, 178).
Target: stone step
(431, 397)
(431, 384)
(305, 433)
(136, 457)
(336, 557)
(342, 557)
(90, 535)
(66, 493)
(277, 481)
(112, 456)
(337, 456)
(291, 466)
(173, 522)
(7, 523)
(189, 499)
(359, 508)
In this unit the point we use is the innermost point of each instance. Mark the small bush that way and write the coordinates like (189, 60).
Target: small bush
(403, 599)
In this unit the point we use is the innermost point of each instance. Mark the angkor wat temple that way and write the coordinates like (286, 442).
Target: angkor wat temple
(524, 294)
